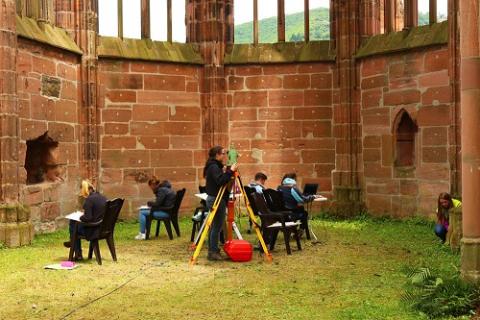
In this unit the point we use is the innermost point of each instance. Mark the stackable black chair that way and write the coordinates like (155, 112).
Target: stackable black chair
(172, 218)
(107, 228)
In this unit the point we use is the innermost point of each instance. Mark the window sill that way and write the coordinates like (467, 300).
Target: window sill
(281, 52)
(418, 37)
(46, 33)
(148, 50)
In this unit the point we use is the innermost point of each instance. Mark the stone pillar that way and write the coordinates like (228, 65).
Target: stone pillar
(346, 112)
(470, 115)
(86, 37)
(454, 75)
(210, 23)
(370, 18)
(15, 225)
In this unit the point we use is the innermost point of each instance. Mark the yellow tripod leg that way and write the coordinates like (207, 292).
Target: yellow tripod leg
(268, 255)
(210, 217)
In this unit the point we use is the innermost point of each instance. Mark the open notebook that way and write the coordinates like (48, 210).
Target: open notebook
(74, 215)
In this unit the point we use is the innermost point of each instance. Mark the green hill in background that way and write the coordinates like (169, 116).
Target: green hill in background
(294, 27)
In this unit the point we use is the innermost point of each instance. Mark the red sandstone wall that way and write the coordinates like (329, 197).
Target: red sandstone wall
(150, 124)
(419, 82)
(280, 120)
(60, 116)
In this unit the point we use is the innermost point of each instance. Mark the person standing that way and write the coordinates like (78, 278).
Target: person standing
(217, 175)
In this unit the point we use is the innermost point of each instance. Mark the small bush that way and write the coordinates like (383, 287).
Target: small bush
(440, 297)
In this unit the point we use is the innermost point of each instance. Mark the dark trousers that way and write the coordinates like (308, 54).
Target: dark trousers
(77, 246)
(441, 231)
(217, 223)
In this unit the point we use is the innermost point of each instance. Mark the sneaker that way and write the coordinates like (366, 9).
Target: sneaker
(140, 236)
(214, 256)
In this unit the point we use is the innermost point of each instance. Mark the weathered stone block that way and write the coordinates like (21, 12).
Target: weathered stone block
(51, 86)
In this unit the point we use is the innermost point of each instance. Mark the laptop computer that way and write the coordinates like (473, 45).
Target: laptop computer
(310, 189)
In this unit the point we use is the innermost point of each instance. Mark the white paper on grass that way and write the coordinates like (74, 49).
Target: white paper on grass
(58, 266)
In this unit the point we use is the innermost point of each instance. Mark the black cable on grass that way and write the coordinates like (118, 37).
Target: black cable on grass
(110, 292)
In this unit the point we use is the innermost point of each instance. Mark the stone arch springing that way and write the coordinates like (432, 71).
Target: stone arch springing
(404, 132)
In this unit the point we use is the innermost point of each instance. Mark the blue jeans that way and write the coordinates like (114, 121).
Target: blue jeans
(441, 231)
(77, 246)
(142, 217)
(217, 223)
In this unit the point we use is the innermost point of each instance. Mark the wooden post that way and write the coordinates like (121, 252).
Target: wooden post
(281, 20)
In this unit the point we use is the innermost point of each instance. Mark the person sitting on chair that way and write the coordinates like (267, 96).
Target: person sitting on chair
(165, 197)
(293, 198)
(93, 211)
(444, 205)
(259, 183)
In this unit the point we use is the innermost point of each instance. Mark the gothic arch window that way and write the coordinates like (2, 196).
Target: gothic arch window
(404, 136)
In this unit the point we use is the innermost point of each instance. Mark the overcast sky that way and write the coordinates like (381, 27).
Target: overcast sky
(158, 11)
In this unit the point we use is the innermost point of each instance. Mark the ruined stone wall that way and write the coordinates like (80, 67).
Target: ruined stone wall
(48, 100)
(150, 125)
(280, 120)
(419, 83)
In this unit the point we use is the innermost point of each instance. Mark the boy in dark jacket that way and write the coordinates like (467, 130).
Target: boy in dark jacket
(217, 175)
(164, 198)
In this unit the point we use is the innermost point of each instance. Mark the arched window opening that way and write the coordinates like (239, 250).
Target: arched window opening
(442, 10)
(243, 21)
(179, 28)
(158, 20)
(267, 21)
(405, 141)
(108, 18)
(423, 12)
(319, 26)
(132, 19)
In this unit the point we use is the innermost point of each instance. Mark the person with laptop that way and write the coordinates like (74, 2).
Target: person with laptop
(294, 199)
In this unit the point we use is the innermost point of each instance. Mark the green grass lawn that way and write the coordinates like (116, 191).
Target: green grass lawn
(355, 272)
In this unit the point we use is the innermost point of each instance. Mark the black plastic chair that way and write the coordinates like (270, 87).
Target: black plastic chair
(172, 218)
(197, 222)
(274, 222)
(275, 202)
(107, 228)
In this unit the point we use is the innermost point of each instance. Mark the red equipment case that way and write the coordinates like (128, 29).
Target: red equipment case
(239, 250)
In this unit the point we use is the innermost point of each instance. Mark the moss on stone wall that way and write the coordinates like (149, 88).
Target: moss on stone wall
(424, 36)
(16, 229)
(279, 52)
(148, 50)
(46, 33)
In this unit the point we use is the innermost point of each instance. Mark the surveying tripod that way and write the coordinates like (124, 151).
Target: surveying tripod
(211, 216)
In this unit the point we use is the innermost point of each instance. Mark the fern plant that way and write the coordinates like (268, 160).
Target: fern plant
(439, 297)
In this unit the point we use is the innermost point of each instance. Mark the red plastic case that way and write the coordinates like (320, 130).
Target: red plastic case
(239, 250)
